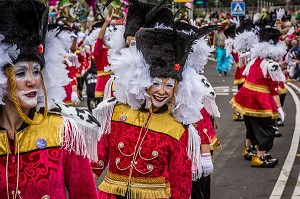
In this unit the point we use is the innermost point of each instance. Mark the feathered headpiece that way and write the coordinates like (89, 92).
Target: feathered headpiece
(24, 23)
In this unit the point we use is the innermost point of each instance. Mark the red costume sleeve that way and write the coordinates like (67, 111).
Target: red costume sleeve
(100, 55)
(273, 86)
(205, 127)
(79, 179)
(181, 170)
(103, 155)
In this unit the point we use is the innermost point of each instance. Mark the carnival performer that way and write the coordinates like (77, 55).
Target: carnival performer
(103, 44)
(151, 132)
(65, 36)
(258, 99)
(43, 154)
(223, 61)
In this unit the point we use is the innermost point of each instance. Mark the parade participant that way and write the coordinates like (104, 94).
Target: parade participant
(242, 44)
(159, 95)
(43, 155)
(238, 79)
(90, 79)
(258, 99)
(71, 61)
(103, 44)
(82, 59)
(223, 62)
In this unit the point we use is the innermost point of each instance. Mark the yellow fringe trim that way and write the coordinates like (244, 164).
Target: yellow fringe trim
(103, 73)
(256, 87)
(215, 143)
(99, 94)
(135, 190)
(251, 112)
(238, 81)
(282, 90)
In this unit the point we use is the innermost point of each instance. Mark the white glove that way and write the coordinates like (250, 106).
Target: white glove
(236, 21)
(281, 113)
(291, 31)
(82, 72)
(280, 13)
(192, 22)
(256, 17)
(207, 165)
(74, 97)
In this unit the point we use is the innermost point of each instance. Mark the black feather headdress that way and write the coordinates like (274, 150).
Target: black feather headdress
(24, 23)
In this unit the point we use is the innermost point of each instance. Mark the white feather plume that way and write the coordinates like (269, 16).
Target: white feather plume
(198, 58)
(188, 98)
(229, 46)
(7, 54)
(55, 73)
(92, 38)
(266, 49)
(209, 97)
(132, 76)
(65, 38)
(117, 39)
(244, 42)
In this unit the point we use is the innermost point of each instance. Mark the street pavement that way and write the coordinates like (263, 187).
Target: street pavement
(233, 177)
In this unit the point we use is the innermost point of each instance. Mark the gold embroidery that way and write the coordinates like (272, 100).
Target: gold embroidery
(49, 130)
(161, 123)
(45, 197)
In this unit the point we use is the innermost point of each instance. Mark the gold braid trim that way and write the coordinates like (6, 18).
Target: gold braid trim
(140, 187)
(9, 71)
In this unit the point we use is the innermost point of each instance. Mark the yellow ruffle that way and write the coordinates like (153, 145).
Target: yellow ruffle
(140, 187)
(251, 112)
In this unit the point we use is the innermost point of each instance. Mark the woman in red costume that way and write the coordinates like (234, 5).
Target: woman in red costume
(258, 99)
(151, 133)
(42, 154)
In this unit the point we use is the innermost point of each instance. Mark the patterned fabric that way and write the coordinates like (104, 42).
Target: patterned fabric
(161, 154)
(45, 169)
(255, 98)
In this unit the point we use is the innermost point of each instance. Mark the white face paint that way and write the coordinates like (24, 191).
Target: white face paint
(28, 81)
(29, 97)
(161, 91)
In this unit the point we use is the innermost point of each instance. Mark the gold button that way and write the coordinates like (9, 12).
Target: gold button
(45, 197)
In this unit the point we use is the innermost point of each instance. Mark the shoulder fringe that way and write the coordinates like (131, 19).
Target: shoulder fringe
(248, 66)
(229, 46)
(268, 66)
(78, 139)
(80, 131)
(211, 106)
(108, 88)
(103, 113)
(244, 58)
(194, 154)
